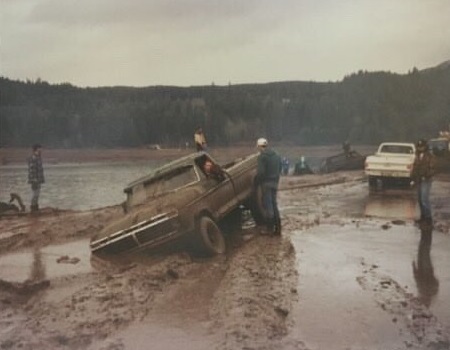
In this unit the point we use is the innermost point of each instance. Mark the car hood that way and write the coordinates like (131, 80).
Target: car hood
(170, 202)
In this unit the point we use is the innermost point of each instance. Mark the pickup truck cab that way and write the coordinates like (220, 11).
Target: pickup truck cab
(392, 161)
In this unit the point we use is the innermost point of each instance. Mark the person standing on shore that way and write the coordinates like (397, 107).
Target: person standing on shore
(346, 148)
(422, 176)
(35, 176)
(200, 140)
(268, 176)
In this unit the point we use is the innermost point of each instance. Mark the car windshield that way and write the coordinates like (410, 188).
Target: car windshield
(397, 149)
(171, 181)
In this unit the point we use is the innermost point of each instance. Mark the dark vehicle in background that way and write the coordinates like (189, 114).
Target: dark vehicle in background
(440, 147)
(180, 201)
(351, 160)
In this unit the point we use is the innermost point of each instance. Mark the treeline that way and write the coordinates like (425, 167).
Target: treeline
(362, 108)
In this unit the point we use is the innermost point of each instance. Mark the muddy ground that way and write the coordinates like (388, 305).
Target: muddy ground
(351, 271)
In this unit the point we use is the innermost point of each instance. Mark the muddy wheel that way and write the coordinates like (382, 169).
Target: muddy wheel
(210, 238)
(255, 204)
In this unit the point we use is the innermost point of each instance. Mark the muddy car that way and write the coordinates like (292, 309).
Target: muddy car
(181, 201)
(343, 161)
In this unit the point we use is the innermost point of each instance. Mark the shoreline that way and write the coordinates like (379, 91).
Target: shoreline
(15, 156)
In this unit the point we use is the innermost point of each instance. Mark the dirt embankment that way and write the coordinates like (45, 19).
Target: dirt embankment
(51, 226)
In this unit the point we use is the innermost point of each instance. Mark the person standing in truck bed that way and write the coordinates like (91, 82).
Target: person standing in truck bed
(200, 140)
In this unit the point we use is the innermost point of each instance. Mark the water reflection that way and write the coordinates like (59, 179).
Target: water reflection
(391, 205)
(37, 272)
(46, 263)
(426, 281)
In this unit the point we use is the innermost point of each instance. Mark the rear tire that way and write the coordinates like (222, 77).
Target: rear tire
(210, 240)
(372, 182)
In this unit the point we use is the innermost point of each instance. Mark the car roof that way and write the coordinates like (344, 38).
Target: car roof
(440, 139)
(398, 144)
(182, 162)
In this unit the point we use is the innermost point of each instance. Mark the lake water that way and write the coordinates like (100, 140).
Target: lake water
(75, 186)
(85, 186)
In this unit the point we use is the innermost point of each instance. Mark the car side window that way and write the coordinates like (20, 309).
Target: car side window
(210, 169)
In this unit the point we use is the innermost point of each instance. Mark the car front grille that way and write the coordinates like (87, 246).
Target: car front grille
(143, 234)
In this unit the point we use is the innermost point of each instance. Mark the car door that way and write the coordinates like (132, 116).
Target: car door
(218, 193)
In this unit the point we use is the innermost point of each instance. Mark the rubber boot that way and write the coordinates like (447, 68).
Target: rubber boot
(277, 227)
(268, 229)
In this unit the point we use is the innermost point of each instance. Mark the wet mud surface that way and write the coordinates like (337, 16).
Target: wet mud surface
(351, 271)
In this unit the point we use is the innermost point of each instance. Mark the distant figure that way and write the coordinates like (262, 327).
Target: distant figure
(35, 175)
(346, 147)
(285, 166)
(301, 167)
(422, 176)
(268, 175)
(200, 140)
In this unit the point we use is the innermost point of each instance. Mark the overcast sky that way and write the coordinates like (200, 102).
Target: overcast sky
(197, 42)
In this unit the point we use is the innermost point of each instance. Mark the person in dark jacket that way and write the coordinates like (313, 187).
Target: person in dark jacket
(35, 176)
(268, 176)
(422, 176)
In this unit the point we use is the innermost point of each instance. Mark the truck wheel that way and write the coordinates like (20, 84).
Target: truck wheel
(372, 182)
(210, 238)
(255, 204)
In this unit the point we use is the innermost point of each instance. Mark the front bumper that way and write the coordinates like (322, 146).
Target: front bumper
(388, 173)
(145, 234)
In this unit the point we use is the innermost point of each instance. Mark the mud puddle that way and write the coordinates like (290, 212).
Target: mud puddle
(46, 263)
(341, 310)
(166, 336)
(181, 320)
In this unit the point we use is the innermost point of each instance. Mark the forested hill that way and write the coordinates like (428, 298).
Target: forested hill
(362, 108)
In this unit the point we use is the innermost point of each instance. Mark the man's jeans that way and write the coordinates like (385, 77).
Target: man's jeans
(270, 203)
(36, 191)
(423, 195)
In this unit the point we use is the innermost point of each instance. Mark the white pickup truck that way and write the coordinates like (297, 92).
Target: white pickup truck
(392, 161)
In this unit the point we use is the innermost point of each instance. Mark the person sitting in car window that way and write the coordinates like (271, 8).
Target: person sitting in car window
(212, 170)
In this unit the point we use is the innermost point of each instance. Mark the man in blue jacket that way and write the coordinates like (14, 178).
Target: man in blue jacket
(268, 176)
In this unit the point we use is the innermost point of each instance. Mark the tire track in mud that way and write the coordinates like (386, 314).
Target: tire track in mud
(253, 304)
(406, 309)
